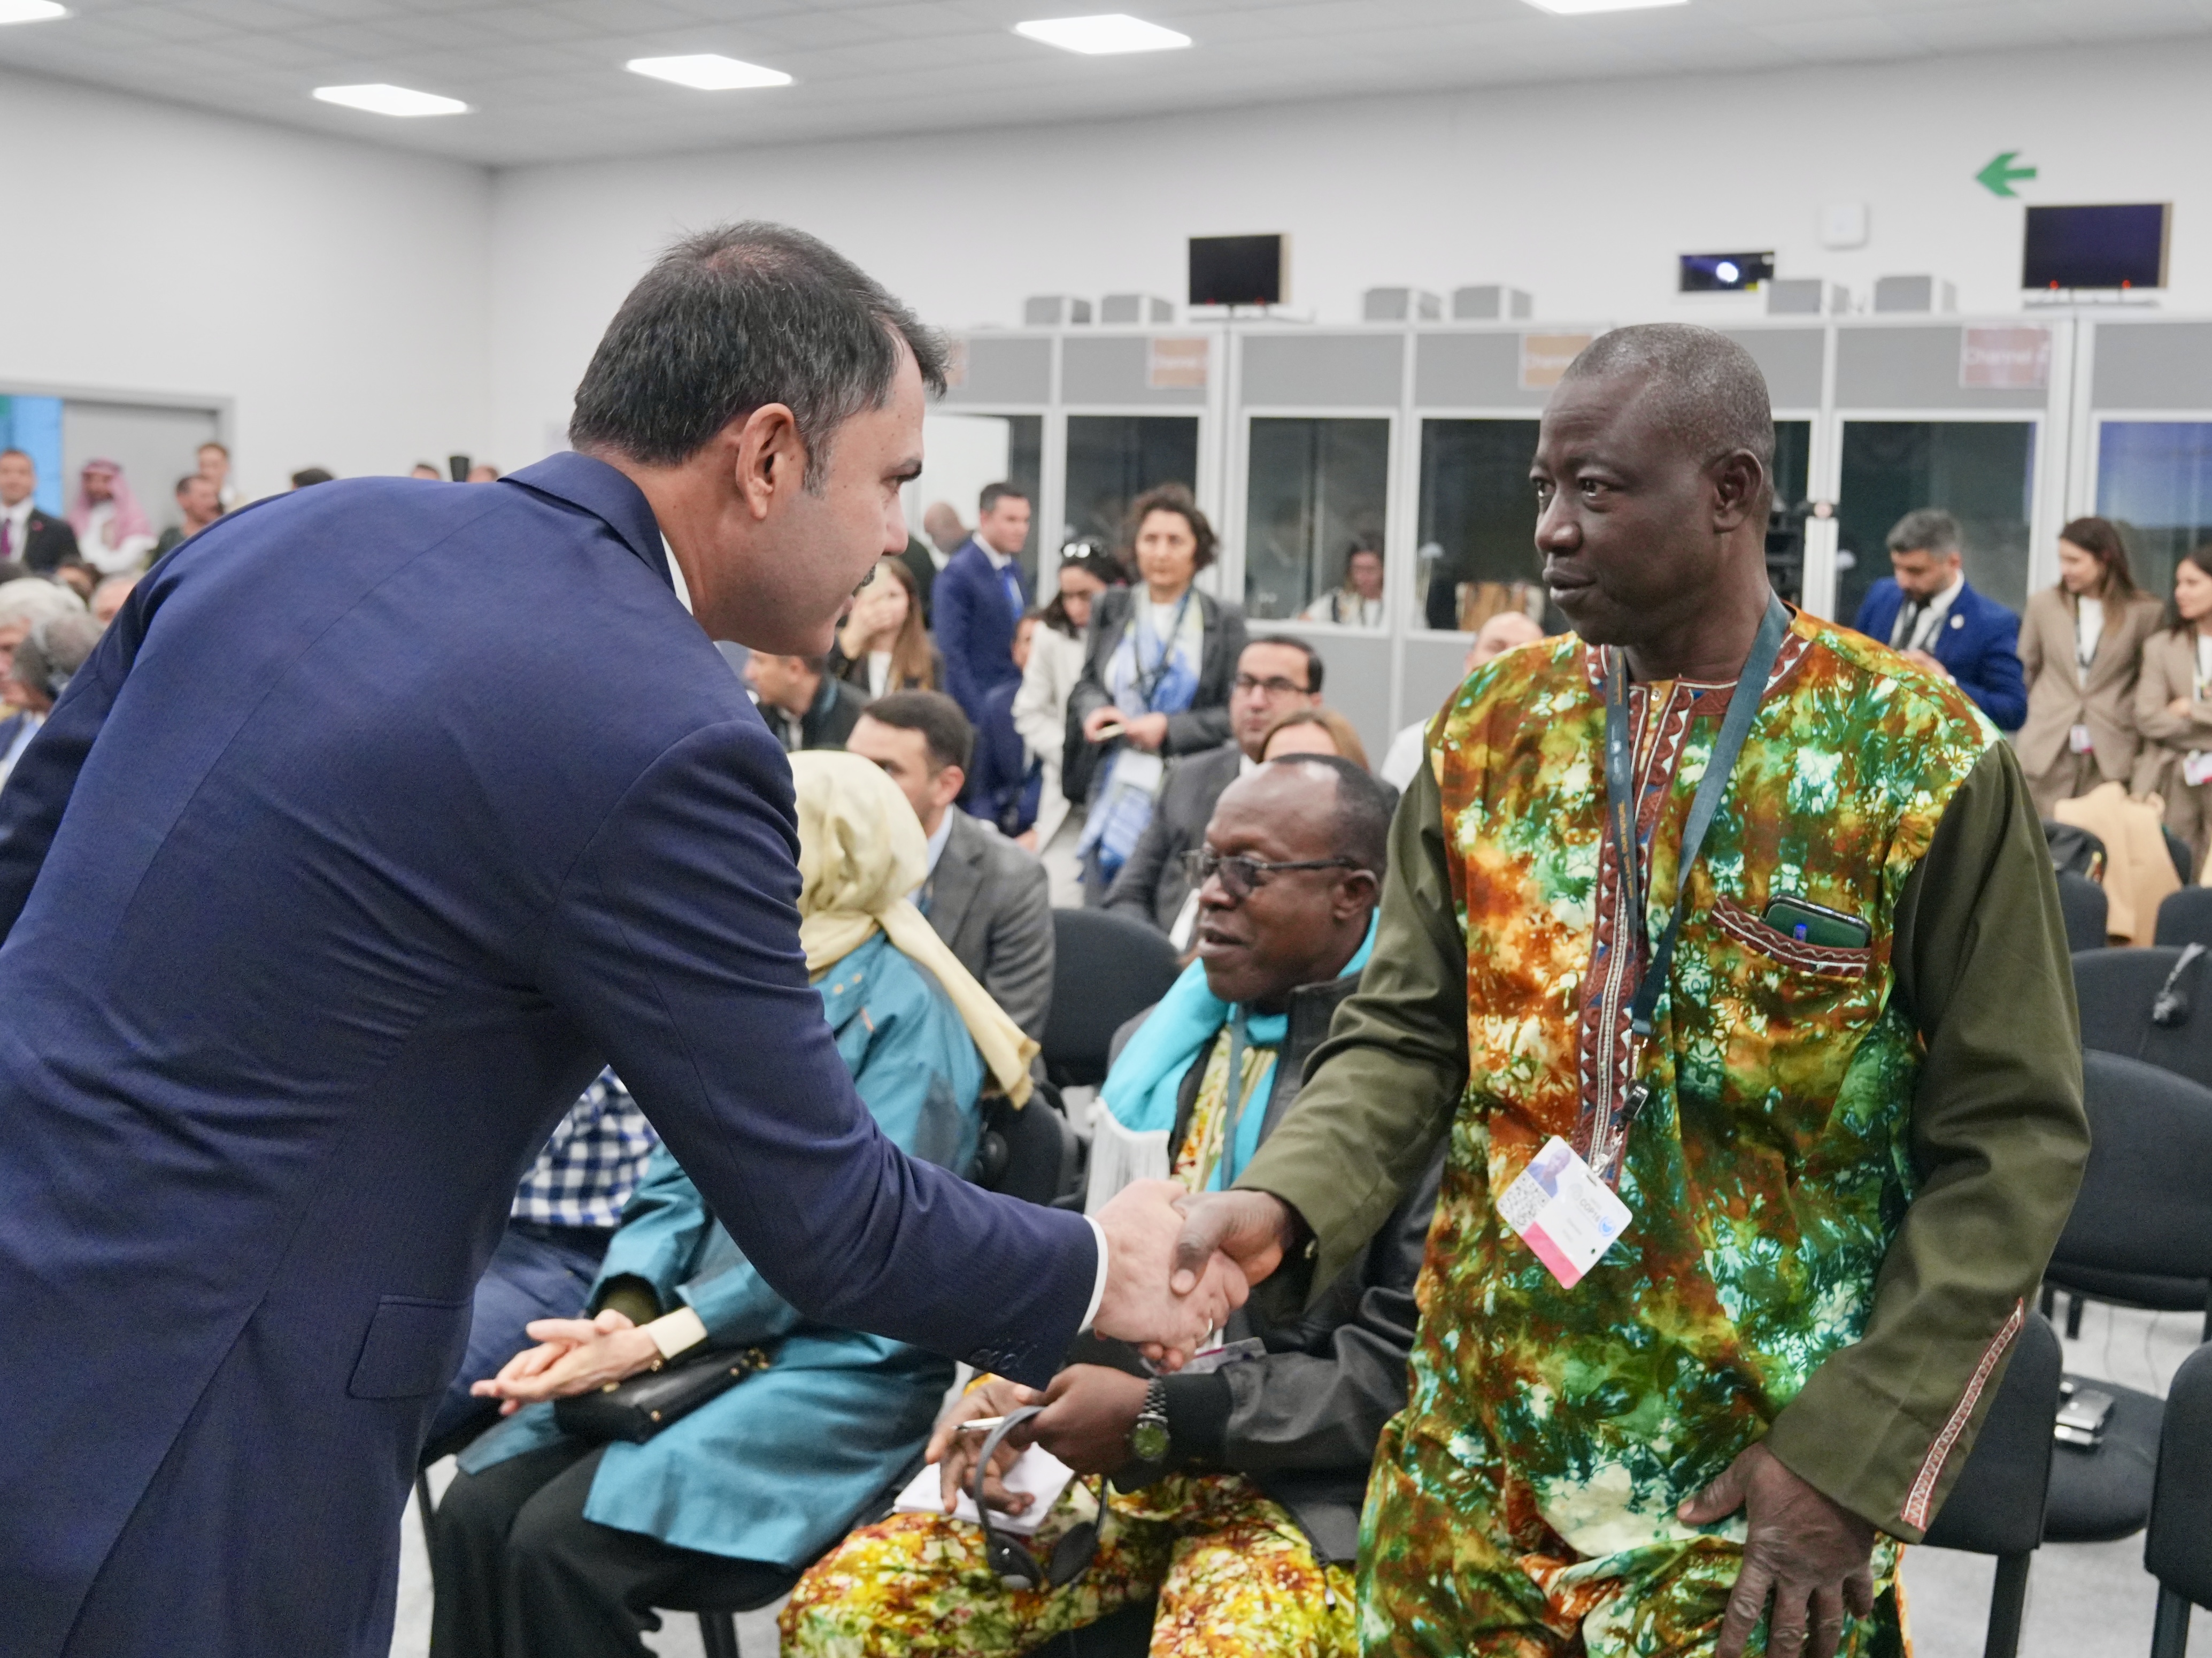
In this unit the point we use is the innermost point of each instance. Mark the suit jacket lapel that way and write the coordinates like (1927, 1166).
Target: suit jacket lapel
(958, 878)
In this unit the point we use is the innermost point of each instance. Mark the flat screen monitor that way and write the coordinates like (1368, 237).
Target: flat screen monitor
(2112, 245)
(1236, 269)
(1725, 273)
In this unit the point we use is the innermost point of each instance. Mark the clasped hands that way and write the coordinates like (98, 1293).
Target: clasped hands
(573, 1355)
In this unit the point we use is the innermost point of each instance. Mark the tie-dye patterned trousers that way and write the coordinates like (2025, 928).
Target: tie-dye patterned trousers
(1233, 1572)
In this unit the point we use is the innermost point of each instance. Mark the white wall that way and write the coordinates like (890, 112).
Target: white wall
(1583, 194)
(339, 294)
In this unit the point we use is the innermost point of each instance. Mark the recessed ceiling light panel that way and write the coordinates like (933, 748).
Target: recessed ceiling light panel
(708, 71)
(1114, 31)
(379, 99)
(1581, 8)
(30, 11)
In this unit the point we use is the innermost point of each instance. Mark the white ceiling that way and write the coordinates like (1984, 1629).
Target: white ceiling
(545, 81)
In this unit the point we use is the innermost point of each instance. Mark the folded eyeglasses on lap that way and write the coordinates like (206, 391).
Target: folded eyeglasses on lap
(1241, 876)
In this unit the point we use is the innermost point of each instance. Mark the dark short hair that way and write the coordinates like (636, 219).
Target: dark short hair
(1291, 642)
(1925, 529)
(307, 475)
(736, 318)
(943, 728)
(1176, 498)
(1361, 827)
(1710, 394)
(187, 481)
(1367, 545)
(994, 493)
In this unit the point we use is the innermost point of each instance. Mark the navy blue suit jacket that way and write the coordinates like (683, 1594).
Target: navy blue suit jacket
(1979, 642)
(324, 894)
(974, 626)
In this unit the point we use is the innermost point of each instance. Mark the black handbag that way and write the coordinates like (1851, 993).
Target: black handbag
(641, 1407)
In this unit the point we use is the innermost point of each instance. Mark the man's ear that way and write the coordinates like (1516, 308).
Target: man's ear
(1358, 890)
(951, 780)
(769, 458)
(1739, 483)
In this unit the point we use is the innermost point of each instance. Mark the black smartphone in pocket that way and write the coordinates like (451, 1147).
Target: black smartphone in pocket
(1814, 924)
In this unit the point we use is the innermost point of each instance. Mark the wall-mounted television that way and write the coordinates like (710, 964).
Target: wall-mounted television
(1238, 270)
(2118, 245)
(1725, 273)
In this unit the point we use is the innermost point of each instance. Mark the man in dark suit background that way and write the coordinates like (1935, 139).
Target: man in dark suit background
(804, 702)
(980, 595)
(40, 542)
(985, 896)
(324, 895)
(1929, 613)
(1276, 675)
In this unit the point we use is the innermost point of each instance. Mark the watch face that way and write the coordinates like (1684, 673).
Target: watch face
(1148, 1440)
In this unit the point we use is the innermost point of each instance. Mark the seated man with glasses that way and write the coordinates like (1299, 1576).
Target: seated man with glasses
(1236, 1483)
(1276, 675)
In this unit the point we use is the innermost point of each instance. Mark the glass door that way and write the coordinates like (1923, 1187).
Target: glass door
(1114, 459)
(963, 452)
(1477, 553)
(2154, 481)
(1314, 489)
(1981, 472)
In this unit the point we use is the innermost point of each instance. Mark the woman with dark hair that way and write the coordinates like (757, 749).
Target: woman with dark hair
(1158, 667)
(2173, 712)
(2081, 644)
(1048, 677)
(882, 644)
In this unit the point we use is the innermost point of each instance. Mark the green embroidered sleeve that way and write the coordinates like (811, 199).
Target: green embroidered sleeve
(1998, 1137)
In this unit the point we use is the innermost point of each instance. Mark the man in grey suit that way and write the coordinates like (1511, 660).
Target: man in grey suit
(985, 896)
(1276, 675)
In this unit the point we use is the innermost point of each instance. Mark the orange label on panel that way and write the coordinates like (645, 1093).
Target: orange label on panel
(1176, 364)
(1544, 358)
(2004, 359)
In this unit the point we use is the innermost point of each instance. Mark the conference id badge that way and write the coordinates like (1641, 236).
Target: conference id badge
(2196, 768)
(2079, 740)
(1564, 1212)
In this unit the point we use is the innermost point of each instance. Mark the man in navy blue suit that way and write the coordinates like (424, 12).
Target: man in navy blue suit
(1929, 613)
(979, 598)
(324, 895)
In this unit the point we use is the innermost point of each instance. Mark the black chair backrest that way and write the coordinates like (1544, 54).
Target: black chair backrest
(2146, 1199)
(2119, 991)
(1997, 1507)
(2179, 1548)
(1107, 969)
(2082, 902)
(2186, 917)
(1030, 1153)
(2178, 849)
(2074, 848)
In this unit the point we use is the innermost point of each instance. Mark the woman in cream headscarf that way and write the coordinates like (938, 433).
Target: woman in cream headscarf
(544, 1532)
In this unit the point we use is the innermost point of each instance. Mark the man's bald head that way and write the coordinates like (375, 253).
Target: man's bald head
(1706, 389)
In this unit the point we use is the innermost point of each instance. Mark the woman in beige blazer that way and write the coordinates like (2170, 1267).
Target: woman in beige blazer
(2081, 644)
(2172, 712)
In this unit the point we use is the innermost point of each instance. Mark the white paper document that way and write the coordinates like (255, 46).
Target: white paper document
(1039, 1473)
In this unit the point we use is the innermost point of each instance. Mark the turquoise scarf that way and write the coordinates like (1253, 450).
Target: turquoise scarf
(1140, 1090)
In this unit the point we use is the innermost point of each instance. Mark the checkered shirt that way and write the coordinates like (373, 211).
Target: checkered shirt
(592, 1164)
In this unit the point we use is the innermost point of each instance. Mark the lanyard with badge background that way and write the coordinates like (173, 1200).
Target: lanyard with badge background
(1559, 1206)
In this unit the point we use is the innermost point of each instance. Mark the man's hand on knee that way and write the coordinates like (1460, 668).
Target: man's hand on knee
(1811, 1556)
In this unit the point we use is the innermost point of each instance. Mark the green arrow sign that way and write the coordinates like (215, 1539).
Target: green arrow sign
(2000, 175)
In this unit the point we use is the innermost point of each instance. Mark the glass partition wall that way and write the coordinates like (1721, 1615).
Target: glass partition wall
(2154, 481)
(964, 451)
(1114, 459)
(1314, 488)
(1982, 471)
(1476, 553)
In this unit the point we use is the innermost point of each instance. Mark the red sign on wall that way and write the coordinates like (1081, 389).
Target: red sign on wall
(2004, 359)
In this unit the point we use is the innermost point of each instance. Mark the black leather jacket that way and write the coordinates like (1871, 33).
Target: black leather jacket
(1301, 1423)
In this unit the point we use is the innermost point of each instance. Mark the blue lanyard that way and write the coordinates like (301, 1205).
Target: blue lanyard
(1620, 803)
(1148, 682)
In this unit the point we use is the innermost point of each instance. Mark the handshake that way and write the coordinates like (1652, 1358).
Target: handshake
(1177, 1264)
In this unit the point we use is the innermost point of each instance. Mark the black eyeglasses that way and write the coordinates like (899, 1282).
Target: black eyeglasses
(1277, 687)
(1241, 876)
(1009, 1558)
